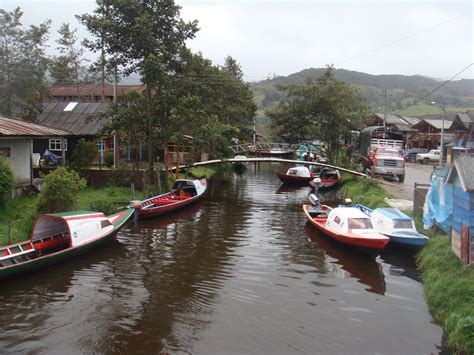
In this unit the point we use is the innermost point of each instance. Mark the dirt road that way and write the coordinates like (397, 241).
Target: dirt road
(414, 172)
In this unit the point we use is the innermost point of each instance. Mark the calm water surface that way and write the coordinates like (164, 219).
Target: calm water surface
(240, 272)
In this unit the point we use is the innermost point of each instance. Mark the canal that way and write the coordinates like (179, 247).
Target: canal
(240, 272)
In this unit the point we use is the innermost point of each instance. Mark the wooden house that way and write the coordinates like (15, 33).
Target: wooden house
(461, 177)
(16, 144)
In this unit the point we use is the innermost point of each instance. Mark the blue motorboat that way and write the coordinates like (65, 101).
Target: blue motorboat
(396, 225)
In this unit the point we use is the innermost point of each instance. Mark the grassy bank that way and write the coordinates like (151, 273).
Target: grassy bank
(22, 211)
(449, 291)
(368, 192)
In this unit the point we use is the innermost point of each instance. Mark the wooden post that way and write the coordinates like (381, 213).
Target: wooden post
(9, 232)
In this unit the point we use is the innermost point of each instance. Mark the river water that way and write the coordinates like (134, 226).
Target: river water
(239, 272)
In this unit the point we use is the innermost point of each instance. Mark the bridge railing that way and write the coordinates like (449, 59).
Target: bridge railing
(263, 147)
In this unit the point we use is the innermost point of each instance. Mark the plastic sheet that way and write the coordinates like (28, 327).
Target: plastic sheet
(438, 208)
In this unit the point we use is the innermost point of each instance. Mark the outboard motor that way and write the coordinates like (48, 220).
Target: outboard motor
(316, 182)
(314, 200)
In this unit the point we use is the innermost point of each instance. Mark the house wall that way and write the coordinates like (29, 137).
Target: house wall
(20, 156)
(463, 215)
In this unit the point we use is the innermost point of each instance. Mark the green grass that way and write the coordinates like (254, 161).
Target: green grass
(367, 192)
(449, 291)
(22, 211)
(421, 109)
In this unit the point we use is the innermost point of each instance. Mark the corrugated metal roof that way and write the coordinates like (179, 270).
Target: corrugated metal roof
(464, 165)
(465, 119)
(439, 123)
(76, 121)
(411, 120)
(19, 128)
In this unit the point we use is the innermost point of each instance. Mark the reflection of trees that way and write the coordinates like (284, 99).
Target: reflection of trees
(365, 269)
(35, 303)
(185, 259)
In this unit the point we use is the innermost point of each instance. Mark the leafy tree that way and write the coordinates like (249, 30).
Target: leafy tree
(83, 155)
(6, 180)
(23, 65)
(59, 191)
(66, 68)
(323, 108)
(145, 36)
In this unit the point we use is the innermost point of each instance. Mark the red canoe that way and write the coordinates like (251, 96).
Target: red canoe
(183, 193)
(347, 226)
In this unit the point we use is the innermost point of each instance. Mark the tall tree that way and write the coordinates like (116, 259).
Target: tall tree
(66, 68)
(145, 36)
(323, 108)
(23, 65)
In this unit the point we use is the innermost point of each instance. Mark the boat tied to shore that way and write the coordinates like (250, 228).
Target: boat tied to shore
(183, 193)
(60, 236)
(346, 225)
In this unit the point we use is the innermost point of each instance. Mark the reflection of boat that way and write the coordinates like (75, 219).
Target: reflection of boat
(329, 177)
(347, 225)
(298, 175)
(396, 225)
(367, 270)
(239, 167)
(60, 236)
(183, 193)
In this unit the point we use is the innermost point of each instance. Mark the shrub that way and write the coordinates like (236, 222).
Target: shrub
(83, 155)
(103, 205)
(109, 159)
(122, 174)
(59, 191)
(6, 180)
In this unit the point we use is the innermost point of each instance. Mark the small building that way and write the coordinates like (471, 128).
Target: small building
(461, 177)
(16, 144)
(429, 132)
(89, 92)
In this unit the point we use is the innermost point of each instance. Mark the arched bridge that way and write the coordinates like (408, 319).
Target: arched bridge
(272, 160)
(264, 148)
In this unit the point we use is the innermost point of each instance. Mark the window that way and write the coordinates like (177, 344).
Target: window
(101, 146)
(5, 152)
(360, 223)
(337, 220)
(110, 144)
(55, 144)
(405, 224)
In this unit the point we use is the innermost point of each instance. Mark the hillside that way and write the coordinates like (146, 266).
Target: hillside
(402, 91)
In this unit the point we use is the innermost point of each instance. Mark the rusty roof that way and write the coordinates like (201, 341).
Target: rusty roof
(84, 90)
(17, 128)
(77, 120)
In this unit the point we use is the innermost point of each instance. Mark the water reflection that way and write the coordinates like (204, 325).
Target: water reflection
(366, 270)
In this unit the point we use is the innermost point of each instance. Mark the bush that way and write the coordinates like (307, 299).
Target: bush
(7, 179)
(106, 206)
(83, 155)
(122, 174)
(59, 191)
(109, 159)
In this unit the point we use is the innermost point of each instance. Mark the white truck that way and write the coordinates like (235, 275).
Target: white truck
(380, 151)
(432, 156)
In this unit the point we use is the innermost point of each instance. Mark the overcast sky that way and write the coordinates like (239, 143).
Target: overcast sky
(276, 37)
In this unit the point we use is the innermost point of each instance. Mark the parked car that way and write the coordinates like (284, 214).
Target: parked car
(410, 154)
(431, 157)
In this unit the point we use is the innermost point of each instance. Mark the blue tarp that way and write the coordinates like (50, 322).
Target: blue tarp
(438, 208)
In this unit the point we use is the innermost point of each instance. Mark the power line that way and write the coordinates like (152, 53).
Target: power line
(437, 88)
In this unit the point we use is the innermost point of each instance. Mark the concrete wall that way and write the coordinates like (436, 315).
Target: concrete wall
(20, 157)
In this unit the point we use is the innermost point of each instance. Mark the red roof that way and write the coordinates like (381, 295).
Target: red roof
(13, 127)
(92, 90)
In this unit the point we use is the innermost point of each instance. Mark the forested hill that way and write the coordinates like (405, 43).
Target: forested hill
(402, 90)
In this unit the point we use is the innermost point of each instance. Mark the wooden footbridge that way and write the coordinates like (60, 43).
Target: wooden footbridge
(260, 148)
(271, 160)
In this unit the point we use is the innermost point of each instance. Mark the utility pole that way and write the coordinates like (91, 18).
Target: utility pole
(385, 108)
(442, 137)
(115, 83)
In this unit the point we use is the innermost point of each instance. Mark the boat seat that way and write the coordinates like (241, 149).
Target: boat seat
(17, 250)
(51, 242)
(163, 201)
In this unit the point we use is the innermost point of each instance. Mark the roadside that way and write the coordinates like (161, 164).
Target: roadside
(414, 173)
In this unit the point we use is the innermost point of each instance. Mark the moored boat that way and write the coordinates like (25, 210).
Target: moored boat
(298, 175)
(329, 177)
(59, 236)
(396, 225)
(239, 166)
(183, 193)
(347, 225)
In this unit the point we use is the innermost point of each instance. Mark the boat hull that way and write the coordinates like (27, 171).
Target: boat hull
(369, 245)
(413, 241)
(65, 254)
(294, 180)
(161, 210)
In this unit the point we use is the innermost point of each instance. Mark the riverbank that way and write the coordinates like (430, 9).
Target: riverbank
(448, 285)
